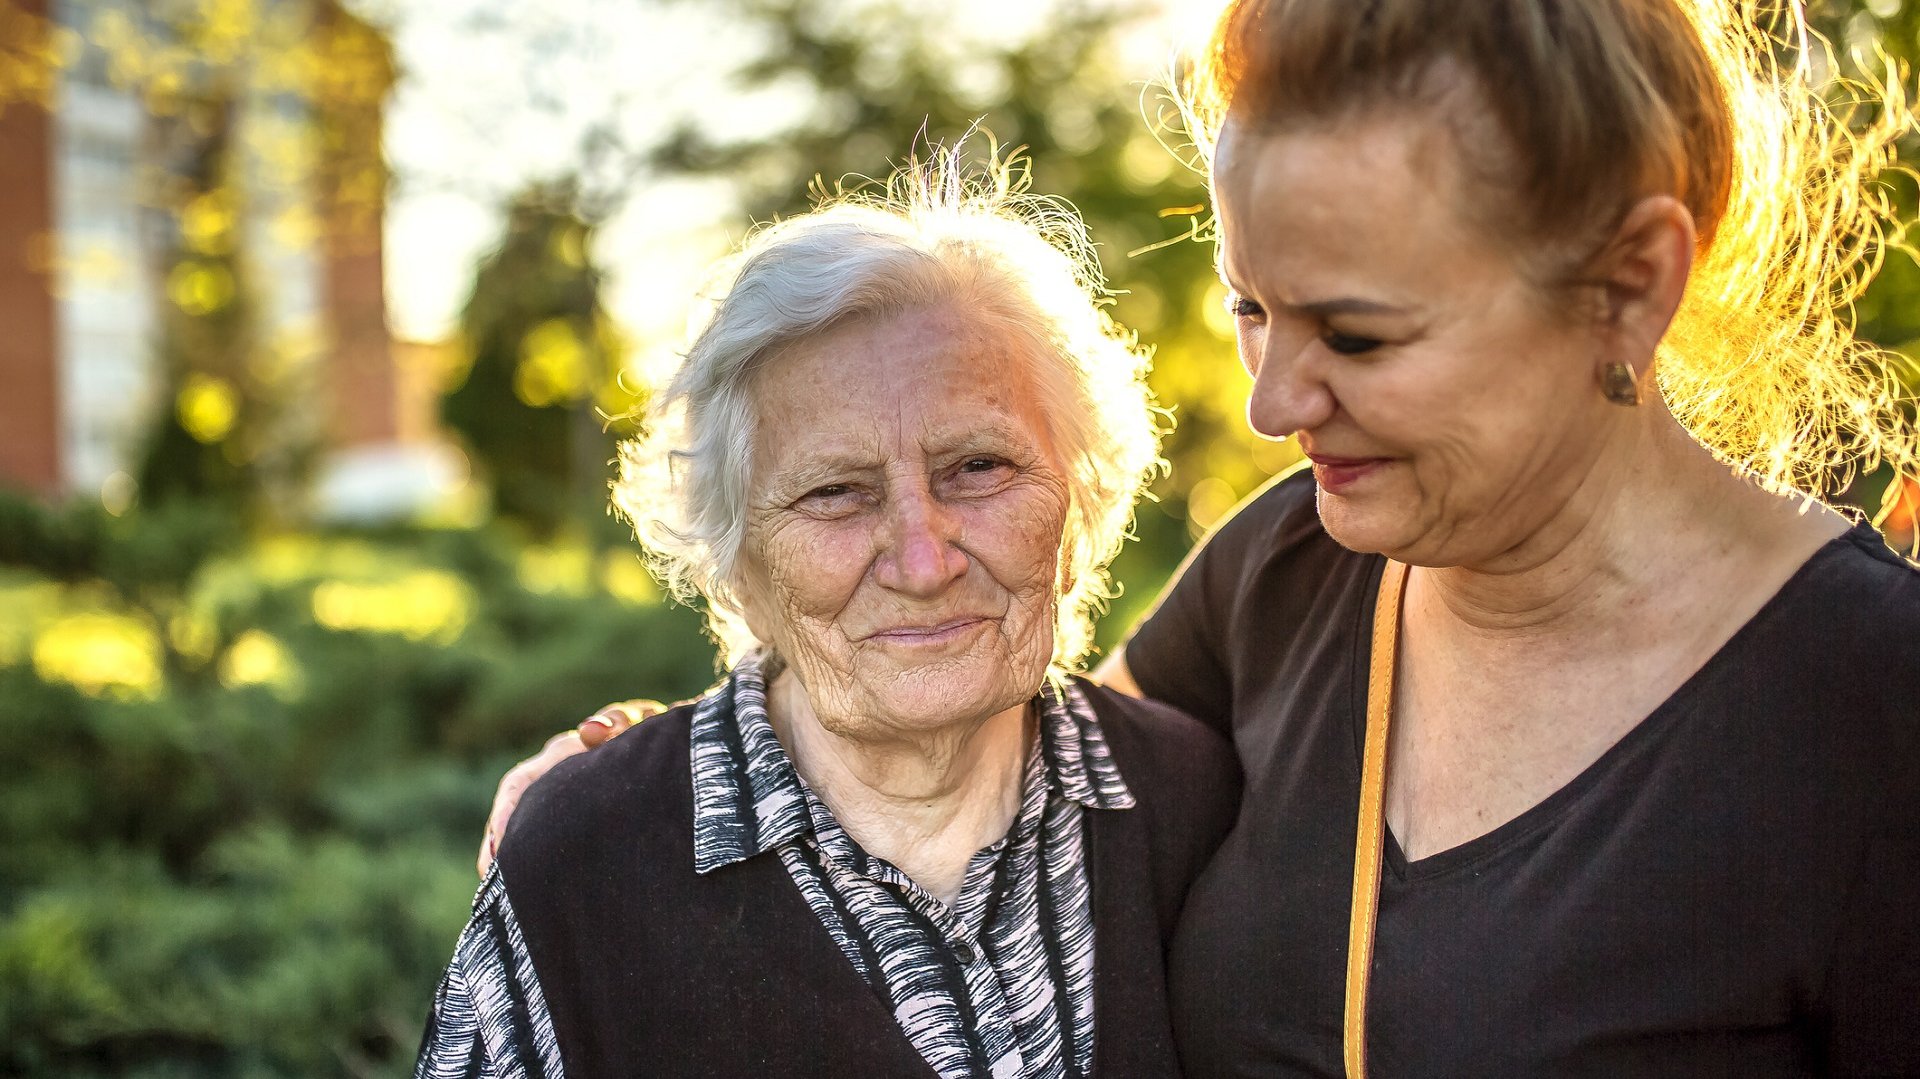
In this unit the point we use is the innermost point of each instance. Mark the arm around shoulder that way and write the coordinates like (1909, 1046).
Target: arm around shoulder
(1183, 774)
(1183, 651)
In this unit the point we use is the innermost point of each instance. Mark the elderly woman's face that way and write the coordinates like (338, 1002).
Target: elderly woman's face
(1448, 409)
(903, 540)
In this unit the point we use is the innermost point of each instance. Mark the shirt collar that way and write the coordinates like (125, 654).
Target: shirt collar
(748, 799)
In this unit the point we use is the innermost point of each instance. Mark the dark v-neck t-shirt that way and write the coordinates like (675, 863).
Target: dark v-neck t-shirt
(1731, 889)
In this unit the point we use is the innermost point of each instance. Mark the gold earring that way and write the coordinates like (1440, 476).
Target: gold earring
(1620, 384)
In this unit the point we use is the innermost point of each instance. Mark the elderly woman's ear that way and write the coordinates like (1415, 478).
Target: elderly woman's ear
(749, 595)
(1642, 272)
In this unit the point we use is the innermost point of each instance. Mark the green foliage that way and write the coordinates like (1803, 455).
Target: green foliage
(543, 363)
(260, 871)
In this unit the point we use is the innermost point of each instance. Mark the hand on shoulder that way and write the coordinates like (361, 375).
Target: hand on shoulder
(594, 731)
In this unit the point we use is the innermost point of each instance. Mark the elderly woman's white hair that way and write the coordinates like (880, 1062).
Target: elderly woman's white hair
(938, 235)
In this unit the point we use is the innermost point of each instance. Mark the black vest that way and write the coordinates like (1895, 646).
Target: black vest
(649, 968)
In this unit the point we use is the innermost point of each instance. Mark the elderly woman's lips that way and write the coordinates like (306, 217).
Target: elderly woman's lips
(939, 633)
(1336, 474)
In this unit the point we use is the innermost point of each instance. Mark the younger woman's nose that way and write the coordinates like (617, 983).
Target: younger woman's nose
(1289, 395)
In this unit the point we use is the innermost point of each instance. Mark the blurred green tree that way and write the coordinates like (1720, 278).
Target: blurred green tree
(541, 401)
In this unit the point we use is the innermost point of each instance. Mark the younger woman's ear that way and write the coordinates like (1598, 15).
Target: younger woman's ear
(1643, 272)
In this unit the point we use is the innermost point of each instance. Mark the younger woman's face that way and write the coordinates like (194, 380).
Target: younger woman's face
(1448, 407)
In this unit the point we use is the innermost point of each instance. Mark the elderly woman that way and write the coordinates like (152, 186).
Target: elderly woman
(1577, 739)
(897, 839)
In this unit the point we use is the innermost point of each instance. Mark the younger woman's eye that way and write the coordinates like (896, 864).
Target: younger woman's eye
(1347, 344)
(1241, 307)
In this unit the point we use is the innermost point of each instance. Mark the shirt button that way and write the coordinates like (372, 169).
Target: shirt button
(963, 952)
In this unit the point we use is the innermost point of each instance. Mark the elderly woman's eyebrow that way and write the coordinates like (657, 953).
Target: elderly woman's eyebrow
(816, 470)
(1000, 435)
(1009, 439)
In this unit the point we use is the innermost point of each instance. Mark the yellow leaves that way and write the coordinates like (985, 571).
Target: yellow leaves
(1207, 502)
(104, 654)
(1213, 311)
(187, 46)
(200, 288)
(569, 246)
(221, 30)
(257, 658)
(206, 224)
(351, 64)
(627, 580)
(134, 60)
(554, 365)
(420, 605)
(1145, 164)
(100, 654)
(560, 568)
(194, 636)
(207, 407)
(568, 568)
(297, 227)
(32, 52)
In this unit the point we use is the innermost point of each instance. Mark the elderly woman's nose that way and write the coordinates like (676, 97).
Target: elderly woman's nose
(1290, 392)
(921, 553)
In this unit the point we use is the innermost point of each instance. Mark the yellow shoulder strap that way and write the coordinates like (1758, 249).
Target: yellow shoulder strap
(1371, 836)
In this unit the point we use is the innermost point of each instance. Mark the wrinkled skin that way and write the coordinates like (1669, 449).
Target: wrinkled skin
(903, 538)
(1447, 401)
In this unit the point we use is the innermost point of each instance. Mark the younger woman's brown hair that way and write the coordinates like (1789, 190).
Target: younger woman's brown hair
(1567, 112)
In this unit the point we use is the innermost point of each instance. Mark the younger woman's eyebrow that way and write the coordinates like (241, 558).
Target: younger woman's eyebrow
(1335, 305)
(1345, 305)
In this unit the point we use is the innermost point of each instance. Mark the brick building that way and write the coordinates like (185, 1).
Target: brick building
(84, 247)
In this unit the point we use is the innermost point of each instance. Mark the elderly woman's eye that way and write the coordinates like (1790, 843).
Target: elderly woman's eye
(978, 475)
(1347, 344)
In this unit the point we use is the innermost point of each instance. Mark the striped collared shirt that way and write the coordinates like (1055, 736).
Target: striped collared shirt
(999, 984)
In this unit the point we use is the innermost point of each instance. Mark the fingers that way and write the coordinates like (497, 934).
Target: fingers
(506, 797)
(607, 723)
(615, 719)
